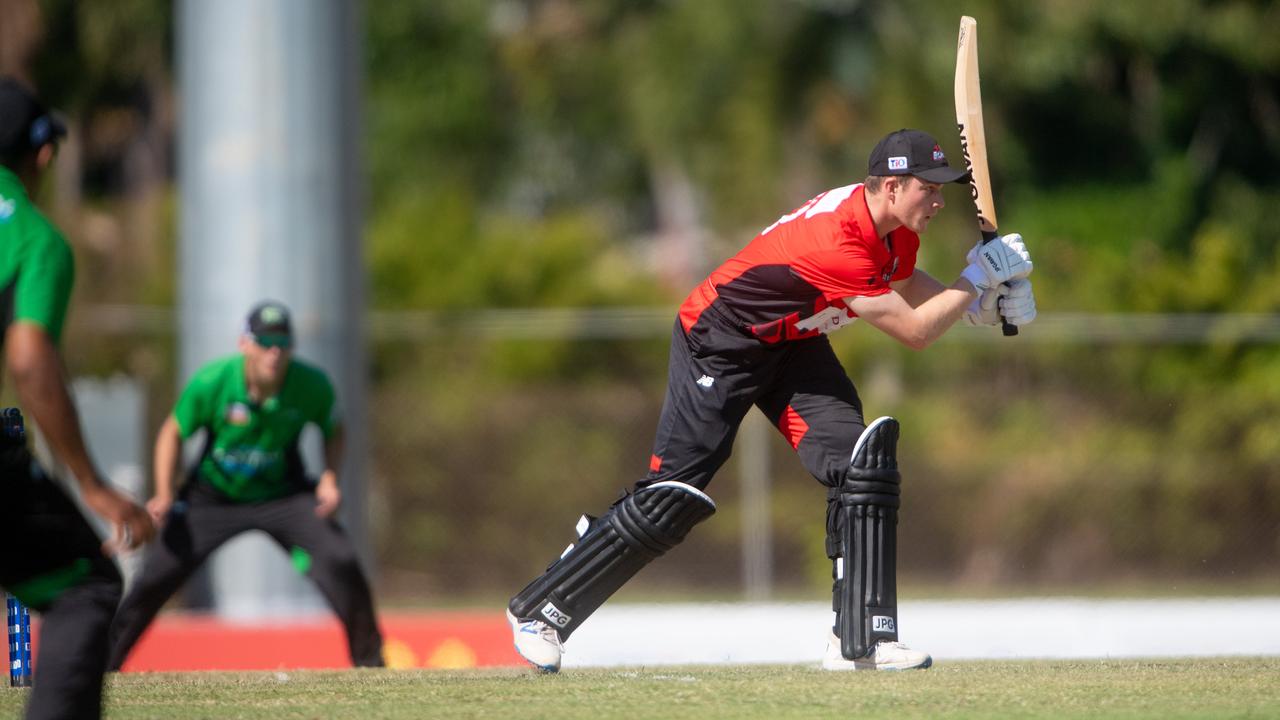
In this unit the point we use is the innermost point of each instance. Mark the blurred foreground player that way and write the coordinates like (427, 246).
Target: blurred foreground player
(254, 406)
(754, 333)
(53, 561)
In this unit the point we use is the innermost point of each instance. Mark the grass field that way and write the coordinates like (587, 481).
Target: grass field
(1190, 688)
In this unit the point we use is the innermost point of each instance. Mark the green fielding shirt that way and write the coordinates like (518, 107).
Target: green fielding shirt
(251, 454)
(36, 265)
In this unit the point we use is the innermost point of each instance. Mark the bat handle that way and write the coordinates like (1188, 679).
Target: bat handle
(1006, 327)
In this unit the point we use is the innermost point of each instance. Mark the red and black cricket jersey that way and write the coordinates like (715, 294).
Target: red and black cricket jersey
(790, 282)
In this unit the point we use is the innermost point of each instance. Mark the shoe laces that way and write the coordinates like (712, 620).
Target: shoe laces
(889, 645)
(545, 631)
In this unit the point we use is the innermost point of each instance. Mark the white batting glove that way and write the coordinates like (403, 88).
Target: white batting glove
(1017, 303)
(999, 261)
(983, 310)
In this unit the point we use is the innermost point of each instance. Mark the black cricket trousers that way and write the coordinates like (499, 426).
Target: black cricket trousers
(202, 520)
(718, 371)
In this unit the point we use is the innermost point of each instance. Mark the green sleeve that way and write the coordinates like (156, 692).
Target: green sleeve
(44, 285)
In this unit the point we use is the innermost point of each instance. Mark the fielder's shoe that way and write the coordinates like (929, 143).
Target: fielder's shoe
(886, 655)
(538, 643)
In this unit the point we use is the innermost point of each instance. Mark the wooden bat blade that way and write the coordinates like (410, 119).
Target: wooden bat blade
(973, 140)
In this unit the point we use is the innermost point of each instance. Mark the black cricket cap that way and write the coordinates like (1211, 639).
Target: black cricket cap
(25, 123)
(913, 152)
(269, 326)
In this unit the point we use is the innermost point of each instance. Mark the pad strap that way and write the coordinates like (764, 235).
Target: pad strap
(611, 549)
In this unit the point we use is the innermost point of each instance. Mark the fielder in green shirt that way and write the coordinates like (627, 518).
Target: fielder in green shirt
(252, 407)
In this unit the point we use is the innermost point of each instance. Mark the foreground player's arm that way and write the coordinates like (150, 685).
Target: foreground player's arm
(916, 327)
(918, 288)
(165, 463)
(40, 382)
(328, 496)
(1012, 302)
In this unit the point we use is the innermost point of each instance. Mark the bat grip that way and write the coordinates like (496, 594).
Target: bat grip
(1006, 327)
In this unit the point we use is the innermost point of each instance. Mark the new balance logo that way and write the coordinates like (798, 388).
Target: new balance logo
(557, 618)
(706, 381)
(883, 623)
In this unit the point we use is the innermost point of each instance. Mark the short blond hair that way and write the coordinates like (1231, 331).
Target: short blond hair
(874, 183)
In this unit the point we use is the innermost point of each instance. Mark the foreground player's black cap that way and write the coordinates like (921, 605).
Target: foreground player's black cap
(912, 152)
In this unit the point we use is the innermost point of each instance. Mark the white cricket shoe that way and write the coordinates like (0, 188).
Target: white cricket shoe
(538, 643)
(886, 655)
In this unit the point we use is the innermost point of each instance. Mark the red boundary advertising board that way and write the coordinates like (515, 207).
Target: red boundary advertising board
(459, 639)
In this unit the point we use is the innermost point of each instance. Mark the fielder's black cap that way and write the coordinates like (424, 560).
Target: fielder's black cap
(269, 325)
(25, 123)
(912, 152)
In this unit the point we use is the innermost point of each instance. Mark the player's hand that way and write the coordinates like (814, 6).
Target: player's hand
(999, 261)
(158, 508)
(983, 310)
(1012, 302)
(131, 525)
(328, 496)
(1017, 303)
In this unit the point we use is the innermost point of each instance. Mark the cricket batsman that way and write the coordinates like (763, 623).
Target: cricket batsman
(754, 333)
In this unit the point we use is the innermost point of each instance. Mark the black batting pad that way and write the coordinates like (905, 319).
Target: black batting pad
(610, 551)
(862, 529)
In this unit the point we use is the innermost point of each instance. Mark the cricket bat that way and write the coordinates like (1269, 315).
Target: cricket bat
(973, 141)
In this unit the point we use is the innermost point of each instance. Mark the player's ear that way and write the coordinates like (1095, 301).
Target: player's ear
(44, 156)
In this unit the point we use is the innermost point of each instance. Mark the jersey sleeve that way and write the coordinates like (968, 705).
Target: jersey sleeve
(43, 290)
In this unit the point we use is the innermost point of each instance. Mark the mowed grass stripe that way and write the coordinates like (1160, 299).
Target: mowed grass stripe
(1181, 688)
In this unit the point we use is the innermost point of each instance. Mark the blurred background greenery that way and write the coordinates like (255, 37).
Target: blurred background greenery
(607, 154)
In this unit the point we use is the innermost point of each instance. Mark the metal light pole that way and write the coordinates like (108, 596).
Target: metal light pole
(271, 206)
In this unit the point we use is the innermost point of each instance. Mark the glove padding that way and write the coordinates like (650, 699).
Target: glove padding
(999, 261)
(1012, 301)
(983, 310)
(1017, 303)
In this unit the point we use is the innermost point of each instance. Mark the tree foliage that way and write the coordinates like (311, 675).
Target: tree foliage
(549, 153)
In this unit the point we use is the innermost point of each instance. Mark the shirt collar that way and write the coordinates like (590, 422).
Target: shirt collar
(862, 222)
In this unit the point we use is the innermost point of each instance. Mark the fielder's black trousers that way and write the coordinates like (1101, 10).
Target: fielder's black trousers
(202, 520)
(52, 559)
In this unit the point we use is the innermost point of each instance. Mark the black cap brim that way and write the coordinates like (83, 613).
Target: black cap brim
(943, 175)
